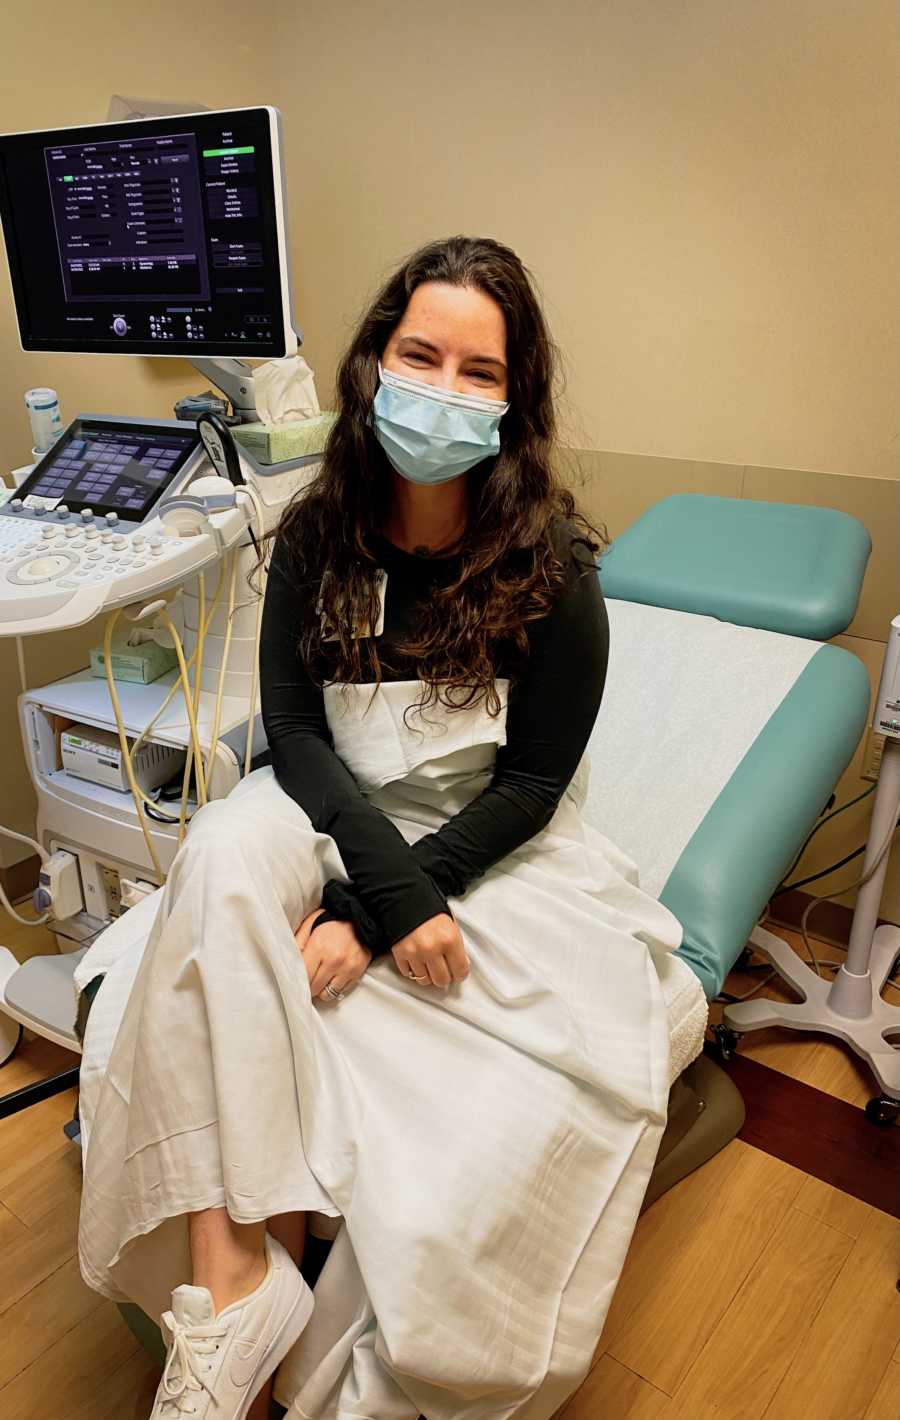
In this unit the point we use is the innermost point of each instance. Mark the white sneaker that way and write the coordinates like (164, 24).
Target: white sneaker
(217, 1365)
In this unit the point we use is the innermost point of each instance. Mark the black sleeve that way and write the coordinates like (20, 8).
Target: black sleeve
(550, 715)
(391, 894)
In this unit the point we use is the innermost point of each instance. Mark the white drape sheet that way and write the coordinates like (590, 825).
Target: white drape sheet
(488, 1148)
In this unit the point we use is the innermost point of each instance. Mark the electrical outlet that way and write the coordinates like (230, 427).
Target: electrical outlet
(113, 889)
(874, 748)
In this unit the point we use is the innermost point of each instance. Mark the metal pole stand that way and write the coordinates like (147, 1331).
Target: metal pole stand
(851, 1007)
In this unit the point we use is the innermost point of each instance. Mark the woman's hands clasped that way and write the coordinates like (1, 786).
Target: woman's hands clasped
(433, 954)
(334, 957)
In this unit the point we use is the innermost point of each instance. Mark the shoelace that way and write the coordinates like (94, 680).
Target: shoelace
(188, 1344)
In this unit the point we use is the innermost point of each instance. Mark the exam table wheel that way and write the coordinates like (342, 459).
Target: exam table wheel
(10, 1049)
(726, 1042)
(883, 1110)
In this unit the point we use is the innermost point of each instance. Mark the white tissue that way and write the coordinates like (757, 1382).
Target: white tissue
(285, 390)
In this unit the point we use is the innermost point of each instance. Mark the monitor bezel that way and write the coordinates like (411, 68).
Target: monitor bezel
(289, 335)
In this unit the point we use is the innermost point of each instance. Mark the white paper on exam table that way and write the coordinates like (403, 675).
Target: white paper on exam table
(685, 698)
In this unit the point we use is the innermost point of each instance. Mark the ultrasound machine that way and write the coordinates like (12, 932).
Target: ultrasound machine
(163, 237)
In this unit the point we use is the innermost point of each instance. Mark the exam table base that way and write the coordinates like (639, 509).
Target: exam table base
(706, 1111)
(875, 1037)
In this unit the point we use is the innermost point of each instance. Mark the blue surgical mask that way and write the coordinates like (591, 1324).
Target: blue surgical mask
(432, 435)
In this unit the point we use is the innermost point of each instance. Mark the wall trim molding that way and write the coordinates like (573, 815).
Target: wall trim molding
(831, 921)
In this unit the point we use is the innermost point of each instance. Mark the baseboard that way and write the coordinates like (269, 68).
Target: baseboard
(830, 921)
(20, 879)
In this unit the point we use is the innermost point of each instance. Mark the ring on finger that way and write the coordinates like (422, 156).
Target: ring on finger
(332, 995)
(413, 977)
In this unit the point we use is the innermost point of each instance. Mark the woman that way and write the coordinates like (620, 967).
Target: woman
(393, 979)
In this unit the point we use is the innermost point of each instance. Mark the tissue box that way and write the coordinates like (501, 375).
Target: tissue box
(274, 443)
(144, 663)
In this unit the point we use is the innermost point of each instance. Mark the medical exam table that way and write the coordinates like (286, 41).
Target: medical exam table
(725, 725)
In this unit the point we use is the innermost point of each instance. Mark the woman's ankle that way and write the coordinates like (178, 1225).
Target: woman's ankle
(228, 1258)
(231, 1283)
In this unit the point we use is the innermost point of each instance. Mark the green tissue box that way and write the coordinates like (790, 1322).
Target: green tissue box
(275, 443)
(143, 663)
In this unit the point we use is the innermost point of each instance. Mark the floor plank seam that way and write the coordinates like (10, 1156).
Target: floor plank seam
(816, 1311)
(646, 1381)
(673, 1254)
(35, 1222)
(816, 1218)
(41, 1280)
(61, 1337)
(41, 1360)
(697, 1363)
(854, 1237)
(67, 1415)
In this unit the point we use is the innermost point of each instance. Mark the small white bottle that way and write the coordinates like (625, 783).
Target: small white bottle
(46, 423)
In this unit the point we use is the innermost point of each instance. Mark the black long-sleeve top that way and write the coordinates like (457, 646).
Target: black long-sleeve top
(551, 710)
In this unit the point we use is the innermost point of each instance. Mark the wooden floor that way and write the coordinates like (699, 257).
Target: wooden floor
(751, 1290)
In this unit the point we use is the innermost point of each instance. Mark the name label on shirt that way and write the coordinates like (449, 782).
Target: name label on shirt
(360, 630)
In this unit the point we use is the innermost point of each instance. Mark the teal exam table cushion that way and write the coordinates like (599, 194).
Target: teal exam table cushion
(726, 722)
(779, 566)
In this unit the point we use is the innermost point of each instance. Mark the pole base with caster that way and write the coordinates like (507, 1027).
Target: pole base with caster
(883, 1111)
(850, 1008)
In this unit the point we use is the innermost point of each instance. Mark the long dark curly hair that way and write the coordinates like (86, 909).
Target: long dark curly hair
(510, 571)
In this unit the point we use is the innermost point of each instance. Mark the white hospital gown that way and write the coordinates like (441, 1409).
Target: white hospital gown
(487, 1148)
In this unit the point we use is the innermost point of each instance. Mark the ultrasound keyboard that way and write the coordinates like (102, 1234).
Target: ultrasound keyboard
(82, 533)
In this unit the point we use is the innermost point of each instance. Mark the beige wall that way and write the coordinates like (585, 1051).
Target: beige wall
(706, 189)
(61, 64)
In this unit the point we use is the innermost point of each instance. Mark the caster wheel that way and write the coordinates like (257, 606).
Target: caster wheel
(883, 1110)
(11, 1050)
(726, 1043)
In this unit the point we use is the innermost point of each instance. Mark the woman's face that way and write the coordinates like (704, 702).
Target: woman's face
(451, 336)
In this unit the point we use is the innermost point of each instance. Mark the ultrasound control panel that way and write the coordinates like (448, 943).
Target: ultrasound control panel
(83, 534)
(106, 469)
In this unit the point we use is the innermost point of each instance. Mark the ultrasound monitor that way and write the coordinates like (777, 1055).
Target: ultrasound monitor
(162, 236)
